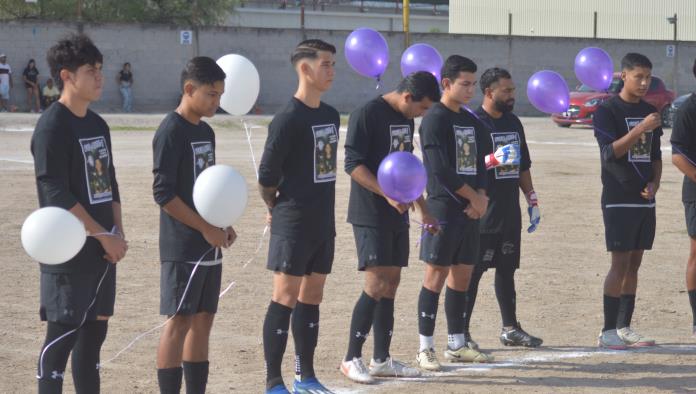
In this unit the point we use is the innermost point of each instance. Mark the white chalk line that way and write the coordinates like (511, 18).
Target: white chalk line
(16, 160)
(16, 129)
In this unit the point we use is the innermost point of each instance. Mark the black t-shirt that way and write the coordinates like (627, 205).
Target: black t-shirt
(125, 76)
(374, 131)
(623, 178)
(181, 151)
(452, 155)
(504, 182)
(73, 164)
(299, 158)
(31, 74)
(683, 141)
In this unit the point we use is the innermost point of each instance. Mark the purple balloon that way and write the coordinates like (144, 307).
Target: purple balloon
(548, 92)
(421, 57)
(594, 68)
(367, 52)
(402, 177)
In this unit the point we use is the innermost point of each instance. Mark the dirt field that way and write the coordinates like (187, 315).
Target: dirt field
(559, 285)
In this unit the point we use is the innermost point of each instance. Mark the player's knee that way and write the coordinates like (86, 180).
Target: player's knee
(178, 326)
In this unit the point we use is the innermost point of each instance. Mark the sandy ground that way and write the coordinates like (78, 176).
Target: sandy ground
(559, 285)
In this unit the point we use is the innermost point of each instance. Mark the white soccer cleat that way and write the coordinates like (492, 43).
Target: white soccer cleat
(392, 368)
(356, 371)
(427, 360)
(609, 339)
(633, 339)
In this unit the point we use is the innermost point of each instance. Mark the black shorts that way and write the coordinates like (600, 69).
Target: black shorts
(627, 229)
(381, 247)
(65, 297)
(500, 250)
(300, 257)
(690, 215)
(456, 243)
(203, 292)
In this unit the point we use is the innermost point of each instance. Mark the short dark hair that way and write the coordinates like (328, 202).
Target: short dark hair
(71, 53)
(456, 64)
(420, 84)
(202, 70)
(309, 49)
(126, 64)
(491, 76)
(633, 60)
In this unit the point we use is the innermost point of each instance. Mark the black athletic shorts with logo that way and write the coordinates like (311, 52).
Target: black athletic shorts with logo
(500, 250)
(379, 247)
(65, 297)
(690, 216)
(203, 292)
(456, 243)
(627, 229)
(300, 256)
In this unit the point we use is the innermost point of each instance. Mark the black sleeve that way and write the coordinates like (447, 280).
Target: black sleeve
(166, 155)
(434, 149)
(481, 172)
(276, 150)
(51, 151)
(656, 153)
(357, 141)
(526, 159)
(682, 133)
(605, 133)
(115, 193)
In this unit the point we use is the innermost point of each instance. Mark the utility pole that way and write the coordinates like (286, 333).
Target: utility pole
(675, 69)
(406, 17)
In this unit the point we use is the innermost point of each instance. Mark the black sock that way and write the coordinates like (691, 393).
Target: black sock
(455, 307)
(305, 332)
(275, 339)
(360, 323)
(169, 380)
(383, 325)
(611, 311)
(52, 360)
(196, 376)
(692, 301)
(85, 356)
(506, 295)
(427, 311)
(627, 303)
(473, 291)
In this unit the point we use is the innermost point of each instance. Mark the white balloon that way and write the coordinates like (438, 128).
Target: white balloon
(220, 195)
(52, 235)
(242, 84)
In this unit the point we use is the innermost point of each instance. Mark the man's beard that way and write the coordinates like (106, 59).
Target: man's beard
(504, 106)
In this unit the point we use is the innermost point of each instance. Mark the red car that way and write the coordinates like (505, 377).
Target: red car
(585, 101)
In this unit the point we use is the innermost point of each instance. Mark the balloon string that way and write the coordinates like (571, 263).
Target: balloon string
(251, 148)
(256, 252)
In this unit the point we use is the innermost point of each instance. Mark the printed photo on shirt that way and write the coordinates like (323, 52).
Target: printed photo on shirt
(400, 138)
(325, 151)
(465, 138)
(641, 150)
(97, 164)
(500, 140)
(203, 156)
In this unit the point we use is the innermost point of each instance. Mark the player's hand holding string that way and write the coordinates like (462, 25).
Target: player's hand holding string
(650, 190)
(478, 205)
(650, 123)
(533, 211)
(231, 235)
(401, 207)
(216, 237)
(430, 224)
(114, 245)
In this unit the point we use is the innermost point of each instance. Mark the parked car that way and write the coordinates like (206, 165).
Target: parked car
(585, 100)
(669, 119)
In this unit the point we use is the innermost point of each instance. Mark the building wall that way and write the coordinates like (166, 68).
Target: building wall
(157, 58)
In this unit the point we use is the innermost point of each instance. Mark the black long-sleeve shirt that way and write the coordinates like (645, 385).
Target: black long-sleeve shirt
(684, 141)
(181, 151)
(299, 158)
(73, 164)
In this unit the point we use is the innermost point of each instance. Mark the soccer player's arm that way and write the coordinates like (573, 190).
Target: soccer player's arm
(681, 139)
(356, 147)
(656, 159)
(481, 171)
(433, 139)
(276, 150)
(115, 193)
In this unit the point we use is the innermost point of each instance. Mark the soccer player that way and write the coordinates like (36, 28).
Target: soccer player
(683, 155)
(74, 168)
(183, 147)
(630, 180)
(379, 127)
(297, 179)
(500, 226)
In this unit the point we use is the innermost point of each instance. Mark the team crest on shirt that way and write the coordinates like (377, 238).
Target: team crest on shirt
(203, 156)
(97, 164)
(640, 151)
(400, 138)
(325, 151)
(500, 140)
(465, 139)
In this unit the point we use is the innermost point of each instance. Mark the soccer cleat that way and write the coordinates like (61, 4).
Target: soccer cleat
(356, 371)
(392, 368)
(309, 386)
(470, 341)
(277, 389)
(466, 354)
(427, 360)
(609, 339)
(516, 336)
(633, 339)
